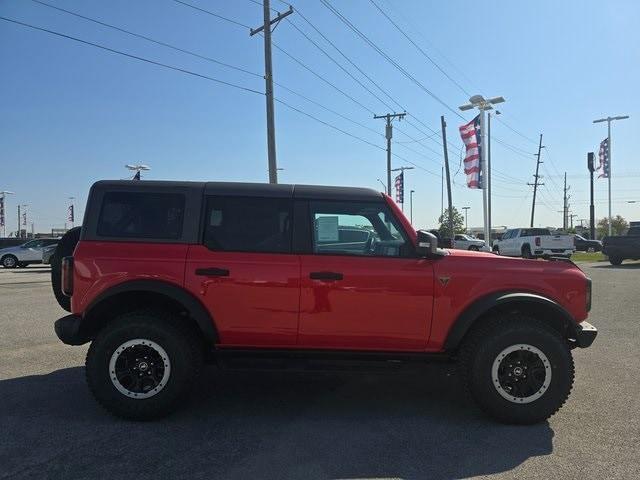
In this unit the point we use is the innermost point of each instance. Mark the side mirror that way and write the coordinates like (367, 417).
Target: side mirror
(427, 244)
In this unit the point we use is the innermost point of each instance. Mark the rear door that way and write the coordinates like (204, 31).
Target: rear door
(378, 296)
(244, 271)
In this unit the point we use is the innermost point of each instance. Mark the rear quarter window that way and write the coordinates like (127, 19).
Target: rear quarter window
(141, 215)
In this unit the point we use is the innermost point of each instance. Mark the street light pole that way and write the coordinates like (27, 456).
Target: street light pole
(411, 206)
(383, 185)
(609, 120)
(482, 104)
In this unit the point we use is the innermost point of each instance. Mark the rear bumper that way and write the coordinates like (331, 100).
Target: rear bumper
(548, 252)
(68, 330)
(585, 334)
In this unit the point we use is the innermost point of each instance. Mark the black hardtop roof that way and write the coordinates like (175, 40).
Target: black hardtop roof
(249, 189)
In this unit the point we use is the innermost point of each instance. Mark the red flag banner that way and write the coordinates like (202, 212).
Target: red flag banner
(400, 188)
(471, 136)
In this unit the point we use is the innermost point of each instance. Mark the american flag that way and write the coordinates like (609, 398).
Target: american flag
(603, 157)
(70, 215)
(471, 136)
(400, 188)
(1, 211)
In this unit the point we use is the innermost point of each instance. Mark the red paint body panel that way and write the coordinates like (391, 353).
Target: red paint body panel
(473, 275)
(257, 304)
(380, 304)
(101, 265)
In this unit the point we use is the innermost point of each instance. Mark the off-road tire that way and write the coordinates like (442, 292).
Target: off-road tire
(182, 346)
(10, 261)
(615, 261)
(483, 345)
(65, 248)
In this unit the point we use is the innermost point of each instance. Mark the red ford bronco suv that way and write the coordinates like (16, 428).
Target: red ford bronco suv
(164, 276)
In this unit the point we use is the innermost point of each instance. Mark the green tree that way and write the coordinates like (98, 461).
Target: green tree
(458, 222)
(618, 226)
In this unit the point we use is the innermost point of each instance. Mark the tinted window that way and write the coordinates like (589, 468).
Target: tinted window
(240, 224)
(372, 230)
(141, 215)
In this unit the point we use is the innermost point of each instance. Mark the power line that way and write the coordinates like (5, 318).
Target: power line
(384, 55)
(149, 39)
(419, 48)
(136, 57)
(217, 15)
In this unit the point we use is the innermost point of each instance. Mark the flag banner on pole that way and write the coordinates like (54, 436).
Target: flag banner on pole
(70, 216)
(137, 175)
(603, 157)
(1, 211)
(471, 136)
(24, 218)
(400, 188)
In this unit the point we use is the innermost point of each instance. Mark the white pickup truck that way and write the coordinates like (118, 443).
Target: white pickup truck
(534, 242)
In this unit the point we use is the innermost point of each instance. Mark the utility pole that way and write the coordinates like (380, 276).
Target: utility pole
(401, 170)
(572, 216)
(411, 206)
(389, 135)
(268, 77)
(3, 210)
(592, 213)
(535, 182)
(609, 120)
(565, 209)
(466, 225)
(446, 166)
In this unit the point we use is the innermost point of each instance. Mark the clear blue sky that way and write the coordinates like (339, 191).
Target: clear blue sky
(71, 114)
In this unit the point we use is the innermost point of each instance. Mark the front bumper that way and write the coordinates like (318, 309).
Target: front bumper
(68, 330)
(585, 334)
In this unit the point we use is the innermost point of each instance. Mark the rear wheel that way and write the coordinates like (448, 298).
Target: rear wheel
(496, 250)
(474, 248)
(591, 249)
(143, 364)
(615, 260)
(526, 251)
(9, 261)
(517, 369)
(22, 264)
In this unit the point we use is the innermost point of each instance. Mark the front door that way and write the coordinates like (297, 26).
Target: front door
(368, 294)
(245, 273)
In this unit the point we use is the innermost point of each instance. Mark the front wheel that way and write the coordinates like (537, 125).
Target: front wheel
(615, 261)
(517, 369)
(143, 364)
(9, 261)
(496, 250)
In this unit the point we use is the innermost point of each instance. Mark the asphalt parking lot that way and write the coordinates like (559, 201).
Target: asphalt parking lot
(280, 425)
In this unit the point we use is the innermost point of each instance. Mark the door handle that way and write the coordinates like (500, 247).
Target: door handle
(212, 272)
(326, 276)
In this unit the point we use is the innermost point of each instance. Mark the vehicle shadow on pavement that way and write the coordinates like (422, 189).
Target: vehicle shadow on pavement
(264, 425)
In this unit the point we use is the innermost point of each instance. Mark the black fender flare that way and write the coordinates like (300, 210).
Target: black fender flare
(478, 308)
(192, 305)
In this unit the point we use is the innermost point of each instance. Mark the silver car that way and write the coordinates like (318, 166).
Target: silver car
(25, 254)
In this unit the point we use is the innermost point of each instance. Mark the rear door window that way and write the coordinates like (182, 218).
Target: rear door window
(141, 215)
(248, 224)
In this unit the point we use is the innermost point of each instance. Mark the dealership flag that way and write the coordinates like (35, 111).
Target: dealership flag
(400, 188)
(70, 217)
(603, 157)
(471, 136)
(1, 211)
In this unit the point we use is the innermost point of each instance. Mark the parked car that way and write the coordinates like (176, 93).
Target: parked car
(164, 276)
(467, 242)
(585, 245)
(47, 253)
(25, 254)
(623, 247)
(533, 242)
